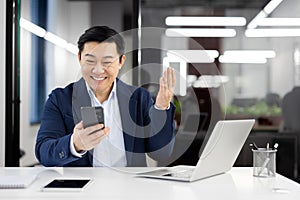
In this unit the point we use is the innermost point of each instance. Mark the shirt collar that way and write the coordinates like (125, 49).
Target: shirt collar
(111, 95)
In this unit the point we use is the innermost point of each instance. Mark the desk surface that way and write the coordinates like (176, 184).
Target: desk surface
(111, 184)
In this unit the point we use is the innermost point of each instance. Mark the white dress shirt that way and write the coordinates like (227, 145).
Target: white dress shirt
(111, 150)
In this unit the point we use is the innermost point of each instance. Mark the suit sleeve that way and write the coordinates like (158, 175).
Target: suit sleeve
(52, 143)
(161, 138)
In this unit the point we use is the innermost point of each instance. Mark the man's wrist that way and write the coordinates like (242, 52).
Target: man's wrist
(73, 149)
(161, 107)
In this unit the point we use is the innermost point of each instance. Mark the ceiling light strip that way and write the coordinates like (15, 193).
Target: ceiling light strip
(242, 60)
(200, 32)
(268, 9)
(194, 56)
(279, 22)
(40, 32)
(272, 33)
(36, 30)
(204, 21)
(256, 19)
(250, 53)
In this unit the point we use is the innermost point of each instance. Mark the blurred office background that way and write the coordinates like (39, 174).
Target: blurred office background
(235, 59)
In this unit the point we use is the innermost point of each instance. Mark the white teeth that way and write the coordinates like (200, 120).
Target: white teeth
(98, 79)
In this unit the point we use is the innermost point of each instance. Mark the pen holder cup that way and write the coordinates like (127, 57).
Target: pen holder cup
(264, 162)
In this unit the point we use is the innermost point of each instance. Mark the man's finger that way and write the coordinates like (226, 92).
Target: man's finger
(170, 78)
(79, 125)
(94, 128)
(97, 137)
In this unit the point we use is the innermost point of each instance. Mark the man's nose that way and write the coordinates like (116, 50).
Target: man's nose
(98, 69)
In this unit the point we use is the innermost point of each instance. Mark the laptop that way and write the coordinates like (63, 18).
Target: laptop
(217, 154)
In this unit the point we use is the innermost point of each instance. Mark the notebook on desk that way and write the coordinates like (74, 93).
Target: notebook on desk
(15, 181)
(217, 154)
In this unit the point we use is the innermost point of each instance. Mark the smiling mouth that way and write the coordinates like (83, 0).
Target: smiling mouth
(98, 78)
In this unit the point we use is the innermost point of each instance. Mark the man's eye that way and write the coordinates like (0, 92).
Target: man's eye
(90, 62)
(107, 63)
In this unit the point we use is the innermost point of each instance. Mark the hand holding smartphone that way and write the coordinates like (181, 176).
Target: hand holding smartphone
(92, 116)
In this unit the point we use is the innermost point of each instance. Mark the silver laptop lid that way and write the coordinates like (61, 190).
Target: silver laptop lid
(221, 148)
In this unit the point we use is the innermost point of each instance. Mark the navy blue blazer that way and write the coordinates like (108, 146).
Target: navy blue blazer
(145, 129)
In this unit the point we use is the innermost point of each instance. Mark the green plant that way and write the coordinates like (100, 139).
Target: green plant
(258, 109)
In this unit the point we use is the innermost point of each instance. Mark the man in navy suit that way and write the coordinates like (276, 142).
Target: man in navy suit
(134, 124)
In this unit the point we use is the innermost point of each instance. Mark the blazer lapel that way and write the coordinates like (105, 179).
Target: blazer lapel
(127, 106)
(128, 114)
(80, 98)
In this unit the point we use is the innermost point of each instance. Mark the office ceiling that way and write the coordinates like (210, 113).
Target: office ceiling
(218, 4)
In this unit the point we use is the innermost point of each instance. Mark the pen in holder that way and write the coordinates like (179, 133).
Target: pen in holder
(264, 162)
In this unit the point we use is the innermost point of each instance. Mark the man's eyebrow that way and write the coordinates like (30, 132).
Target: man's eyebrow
(108, 57)
(90, 55)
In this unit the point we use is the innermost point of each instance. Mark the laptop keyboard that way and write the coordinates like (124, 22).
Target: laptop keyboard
(186, 173)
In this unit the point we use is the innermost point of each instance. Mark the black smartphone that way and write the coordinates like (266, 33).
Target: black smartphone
(92, 116)
(66, 185)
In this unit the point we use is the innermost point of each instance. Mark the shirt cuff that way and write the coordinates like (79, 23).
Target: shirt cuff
(157, 108)
(73, 151)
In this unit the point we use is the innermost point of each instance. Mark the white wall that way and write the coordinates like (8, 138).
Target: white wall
(258, 79)
(282, 73)
(27, 132)
(2, 81)
(68, 22)
(246, 80)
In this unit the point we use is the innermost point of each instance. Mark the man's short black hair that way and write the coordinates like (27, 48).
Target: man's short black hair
(101, 34)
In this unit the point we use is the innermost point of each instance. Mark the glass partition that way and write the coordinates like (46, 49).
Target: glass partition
(255, 47)
(233, 59)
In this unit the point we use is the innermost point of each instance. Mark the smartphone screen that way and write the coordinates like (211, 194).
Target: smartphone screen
(66, 185)
(92, 116)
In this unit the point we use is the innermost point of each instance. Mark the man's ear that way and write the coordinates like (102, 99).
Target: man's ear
(122, 61)
(79, 55)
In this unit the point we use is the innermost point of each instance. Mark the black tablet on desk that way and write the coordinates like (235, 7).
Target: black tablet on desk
(67, 185)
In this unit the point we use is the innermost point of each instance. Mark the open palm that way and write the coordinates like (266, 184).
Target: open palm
(166, 89)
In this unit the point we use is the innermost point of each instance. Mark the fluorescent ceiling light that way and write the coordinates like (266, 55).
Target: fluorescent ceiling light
(72, 48)
(264, 13)
(195, 56)
(279, 22)
(250, 53)
(191, 78)
(271, 6)
(242, 59)
(33, 28)
(27, 25)
(256, 19)
(205, 21)
(200, 32)
(272, 33)
(55, 40)
(210, 81)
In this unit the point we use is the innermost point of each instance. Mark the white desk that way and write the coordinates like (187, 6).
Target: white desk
(109, 184)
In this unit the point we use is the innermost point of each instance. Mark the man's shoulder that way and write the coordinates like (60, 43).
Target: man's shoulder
(64, 90)
(61, 92)
(131, 89)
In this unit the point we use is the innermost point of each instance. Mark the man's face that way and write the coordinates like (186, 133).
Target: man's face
(100, 65)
